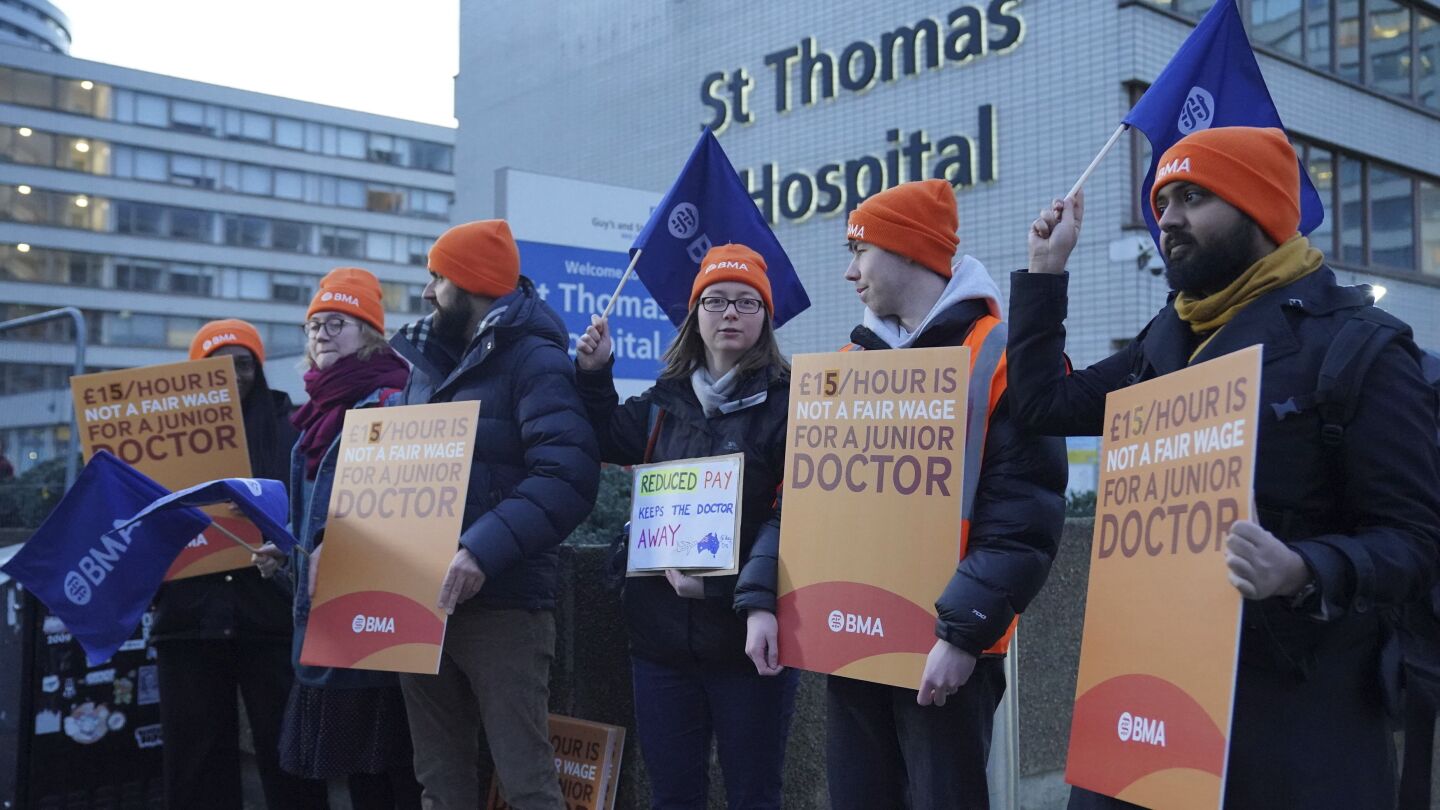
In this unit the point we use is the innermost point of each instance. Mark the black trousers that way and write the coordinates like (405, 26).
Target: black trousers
(199, 715)
(883, 750)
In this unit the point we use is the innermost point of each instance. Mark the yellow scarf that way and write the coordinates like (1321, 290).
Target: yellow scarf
(1290, 262)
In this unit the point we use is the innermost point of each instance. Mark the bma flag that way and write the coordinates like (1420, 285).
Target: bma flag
(262, 500)
(709, 206)
(92, 566)
(1212, 81)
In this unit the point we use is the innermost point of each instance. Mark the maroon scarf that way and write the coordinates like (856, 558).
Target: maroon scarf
(335, 391)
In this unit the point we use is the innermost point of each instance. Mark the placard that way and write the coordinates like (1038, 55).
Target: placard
(392, 529)
(1156, 688)
(587, 760)
(686, 514)
(870, 528)
(180, 424)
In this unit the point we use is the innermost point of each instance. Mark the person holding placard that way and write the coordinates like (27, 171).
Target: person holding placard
(927, 748)
(1347, 523)
(533, 476)
(703, 652)
(340, 722)
(223, 634)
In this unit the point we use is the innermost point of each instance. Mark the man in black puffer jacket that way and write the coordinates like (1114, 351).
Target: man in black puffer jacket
(533, 480)
(889, 747)
(1346, 525)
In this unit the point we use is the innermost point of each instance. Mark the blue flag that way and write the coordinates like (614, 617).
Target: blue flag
(1212, 81)
(263, 500)
(96, 577)
(709, 206)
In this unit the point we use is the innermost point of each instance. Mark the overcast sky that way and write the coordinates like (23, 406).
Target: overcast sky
(379, 56)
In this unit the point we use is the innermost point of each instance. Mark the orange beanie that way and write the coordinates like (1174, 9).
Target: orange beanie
(1252, 168)
(917, 220)
(733, 262)
(350, 291)
(479, 257)
(229, 332)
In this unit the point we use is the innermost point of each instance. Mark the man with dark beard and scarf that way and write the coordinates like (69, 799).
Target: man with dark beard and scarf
(1347, 527)
(533, 479)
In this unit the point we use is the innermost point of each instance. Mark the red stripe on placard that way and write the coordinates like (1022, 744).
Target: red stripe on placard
(357, 625)
(1131, 726)
(827, 625)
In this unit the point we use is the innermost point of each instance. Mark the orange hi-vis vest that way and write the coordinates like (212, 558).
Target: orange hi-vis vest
(986, 342)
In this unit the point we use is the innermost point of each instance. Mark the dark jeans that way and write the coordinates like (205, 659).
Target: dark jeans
(199, 715)
(677, 713)
(883, 750)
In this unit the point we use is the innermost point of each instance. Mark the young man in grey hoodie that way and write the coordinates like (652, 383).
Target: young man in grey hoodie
(891, 747)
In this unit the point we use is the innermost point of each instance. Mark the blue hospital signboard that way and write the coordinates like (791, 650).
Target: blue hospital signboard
(574, 237)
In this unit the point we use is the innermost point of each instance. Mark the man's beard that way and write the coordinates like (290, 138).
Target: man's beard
(448, 324)
(1209, 268)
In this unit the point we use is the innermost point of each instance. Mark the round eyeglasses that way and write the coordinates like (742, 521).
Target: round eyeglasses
(333, 327)
(744, 306)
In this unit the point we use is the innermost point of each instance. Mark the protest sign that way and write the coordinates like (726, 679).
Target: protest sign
(874, 465)
(180, 424)
(587, 760)
(686, 514)
(392, 528)
(1162, 623)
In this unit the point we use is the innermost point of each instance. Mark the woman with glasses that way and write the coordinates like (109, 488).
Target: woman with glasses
(227, 634)
(704, 662)
(340, 722)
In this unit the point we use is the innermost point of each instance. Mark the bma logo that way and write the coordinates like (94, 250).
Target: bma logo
(1198, 111)
(855, 232)
(713, 266)
(1134, 728)
(341, 297)
(372, 624)
(684, 220)
(218, 340)
(841, 622)
(254, 486)
(1167, 169)
(97, 562)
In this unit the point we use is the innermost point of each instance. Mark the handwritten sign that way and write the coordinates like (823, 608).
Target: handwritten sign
(686, 514)
(874, 465)
(587, 762)
(1162, 622)
(392, 529)
(180, 424)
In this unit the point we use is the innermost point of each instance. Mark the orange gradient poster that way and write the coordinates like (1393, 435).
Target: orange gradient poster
(391, 531)
(1162, 622)
(180, 424)
(870, 532)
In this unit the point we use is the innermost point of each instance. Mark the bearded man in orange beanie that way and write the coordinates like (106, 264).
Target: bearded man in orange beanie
(1347, 512)
(889, 747)
(532, 481)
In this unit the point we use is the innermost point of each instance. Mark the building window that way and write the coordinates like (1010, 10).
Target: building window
(189, 116)
(291, 236)
(289, 133)
(342, 242)
(1320, 163)
(352, 144)
(139, 277)
(432, 157)
(1430, 227)
(1276, 25)
(1392, 218)
(1352, 211)
(1427, 61)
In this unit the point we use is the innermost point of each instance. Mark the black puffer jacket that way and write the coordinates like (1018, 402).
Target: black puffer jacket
(663, 627)
(536, 467)
(1019, 508)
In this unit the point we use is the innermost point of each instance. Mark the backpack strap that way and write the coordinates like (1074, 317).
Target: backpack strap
(1342, 372)
(657, 419)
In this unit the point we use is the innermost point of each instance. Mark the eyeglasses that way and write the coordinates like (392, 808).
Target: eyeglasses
(744, 306)
(333, 327)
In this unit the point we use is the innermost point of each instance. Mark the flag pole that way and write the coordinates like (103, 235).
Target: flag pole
(618, 287)
(250, 548)
(1105, 150)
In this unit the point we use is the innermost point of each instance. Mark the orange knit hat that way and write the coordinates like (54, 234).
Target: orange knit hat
(1252, 168)
(733, 262)
(479, 257)
(229, 332)
(350, 291)
(917, 220)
